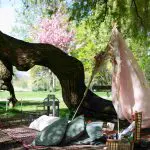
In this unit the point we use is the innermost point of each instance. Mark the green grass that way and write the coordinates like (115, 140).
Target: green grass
(27, 106)
(41, 95)
(29, 95)
(32, 100)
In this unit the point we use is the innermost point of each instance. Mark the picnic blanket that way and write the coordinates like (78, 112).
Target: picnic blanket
(7, 143)
(26, 135)
(23, 134)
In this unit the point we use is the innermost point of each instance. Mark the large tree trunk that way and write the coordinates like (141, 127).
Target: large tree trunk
(69, 71)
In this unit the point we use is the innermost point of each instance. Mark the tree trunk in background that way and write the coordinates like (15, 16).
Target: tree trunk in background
(53, 84)
(68, 70)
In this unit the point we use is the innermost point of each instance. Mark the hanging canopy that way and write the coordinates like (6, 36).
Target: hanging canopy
(130, 90)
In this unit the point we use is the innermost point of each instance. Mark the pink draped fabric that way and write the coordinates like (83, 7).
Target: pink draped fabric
(130, 91)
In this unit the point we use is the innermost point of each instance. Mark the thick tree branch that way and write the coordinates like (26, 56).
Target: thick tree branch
(69, 71)
(137, 13)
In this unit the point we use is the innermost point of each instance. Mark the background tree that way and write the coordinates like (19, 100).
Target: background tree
(86, 47)
(56, 30)
(131, 16)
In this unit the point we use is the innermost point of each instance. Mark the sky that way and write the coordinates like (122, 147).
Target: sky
(7, 16)
(6, 19)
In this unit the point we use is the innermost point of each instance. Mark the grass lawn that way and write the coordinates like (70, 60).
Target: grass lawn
(30, 95)
(30, 102)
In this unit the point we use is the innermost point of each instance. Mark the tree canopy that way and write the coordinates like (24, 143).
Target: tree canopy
(95, 18)
(132, 14)
(55, 30)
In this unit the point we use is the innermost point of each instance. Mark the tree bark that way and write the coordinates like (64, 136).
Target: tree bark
(68, 69)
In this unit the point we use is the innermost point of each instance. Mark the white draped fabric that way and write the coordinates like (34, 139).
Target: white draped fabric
(130, 90)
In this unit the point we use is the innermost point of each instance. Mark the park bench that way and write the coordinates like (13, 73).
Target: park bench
(49, 107)
(52, 105)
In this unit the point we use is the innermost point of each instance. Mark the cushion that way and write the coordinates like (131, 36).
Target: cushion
(42, 122)
(94, 130)
(75, 129)
(51, 135)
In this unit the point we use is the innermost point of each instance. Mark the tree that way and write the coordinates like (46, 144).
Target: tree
(40, 78)
(68, 69)
(55, 30)
(131, 16)
(86, 47)
(130, 13)
(6, 72)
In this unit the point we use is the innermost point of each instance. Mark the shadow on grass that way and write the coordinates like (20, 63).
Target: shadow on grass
(64, 112)
(29, 103)
(26, 106)
(24, 103)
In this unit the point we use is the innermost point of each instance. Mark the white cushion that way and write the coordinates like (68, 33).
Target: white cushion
(42, 122)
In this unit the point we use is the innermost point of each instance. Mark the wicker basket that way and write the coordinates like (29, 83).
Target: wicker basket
(138, 123)
(118, 145)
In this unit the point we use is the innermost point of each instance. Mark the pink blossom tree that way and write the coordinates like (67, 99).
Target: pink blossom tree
(56, 31)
